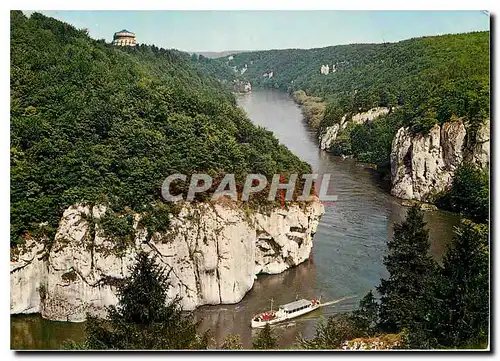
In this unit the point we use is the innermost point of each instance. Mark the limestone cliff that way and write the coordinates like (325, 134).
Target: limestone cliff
(214, 251)
(242, 86)
(328, 135)
(423, 165)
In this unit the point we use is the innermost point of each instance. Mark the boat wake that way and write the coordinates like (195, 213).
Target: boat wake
(323, 304)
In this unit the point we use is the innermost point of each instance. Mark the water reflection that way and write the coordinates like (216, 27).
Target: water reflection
(32, 332)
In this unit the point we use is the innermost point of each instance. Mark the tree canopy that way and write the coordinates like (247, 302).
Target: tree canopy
(430, 77)
(94, 123)
(427, 80)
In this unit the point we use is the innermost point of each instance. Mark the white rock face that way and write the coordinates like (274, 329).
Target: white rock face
(480, 152)
(26, 271)
(214, 252)
(242, 86)
(329, 134)
(370, 115)
(424, 165)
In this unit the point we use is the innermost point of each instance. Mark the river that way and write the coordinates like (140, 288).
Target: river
(348, 250)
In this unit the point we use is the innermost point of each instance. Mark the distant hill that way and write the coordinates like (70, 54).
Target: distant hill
(428, 80)
(219, 54)
(433, 77)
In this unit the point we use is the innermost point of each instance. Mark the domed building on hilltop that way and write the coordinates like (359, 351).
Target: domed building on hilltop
(124, 38)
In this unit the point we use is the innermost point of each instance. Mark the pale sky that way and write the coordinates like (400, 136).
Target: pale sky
(261, 30)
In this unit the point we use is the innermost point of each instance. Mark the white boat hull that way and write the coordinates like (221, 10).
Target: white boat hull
(259, 324)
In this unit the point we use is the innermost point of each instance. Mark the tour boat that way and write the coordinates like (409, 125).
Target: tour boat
(285, 312)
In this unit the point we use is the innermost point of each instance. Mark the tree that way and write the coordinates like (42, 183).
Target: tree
(464, 312)
(265, 339)
(232, 342)
(365, 318)
(469, 193)
(406, 298)
(143, 319)
(332, 333)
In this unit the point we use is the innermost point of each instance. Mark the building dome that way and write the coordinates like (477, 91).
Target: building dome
(124, 38)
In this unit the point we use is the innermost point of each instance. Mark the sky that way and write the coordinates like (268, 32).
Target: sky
(261, 30)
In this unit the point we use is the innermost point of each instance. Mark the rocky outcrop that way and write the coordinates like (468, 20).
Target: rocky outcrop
(27, 269)
(214, 253)
(370, 115)
(242, 86)
(388, 341)
(423, 165)
(328, 135)
(479, 152)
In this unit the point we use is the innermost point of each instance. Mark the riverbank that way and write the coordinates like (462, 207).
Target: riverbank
(313, 108)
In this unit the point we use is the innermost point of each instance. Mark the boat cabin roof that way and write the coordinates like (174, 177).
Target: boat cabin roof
(296, 304)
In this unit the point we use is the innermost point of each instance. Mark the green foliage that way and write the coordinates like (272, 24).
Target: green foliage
(435, 306)
(332, 333)
(369, 143)
(312, 108)
(118, 228)
(429, 80)
(426, 76)
(365, 318)
(231, 342)
(265, 340)
(143, 319)
(431, 306)
(405, 294)
(463, 311)
(469, 193)
(92, 123)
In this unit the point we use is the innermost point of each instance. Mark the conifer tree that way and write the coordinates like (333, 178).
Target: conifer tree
(265, 339)
(332, 334)
(143, 319)
(232, 342)
(365, 318)
(406, 296)
(462, 318)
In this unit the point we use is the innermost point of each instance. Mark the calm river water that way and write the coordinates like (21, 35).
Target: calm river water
(348, 247)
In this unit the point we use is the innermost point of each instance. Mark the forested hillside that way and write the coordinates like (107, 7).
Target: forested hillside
(435, 76)
(99, 124)
(424, 81)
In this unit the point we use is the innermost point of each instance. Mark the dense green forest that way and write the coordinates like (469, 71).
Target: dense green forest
(99, 124)
(437, 77)
(428, 80)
